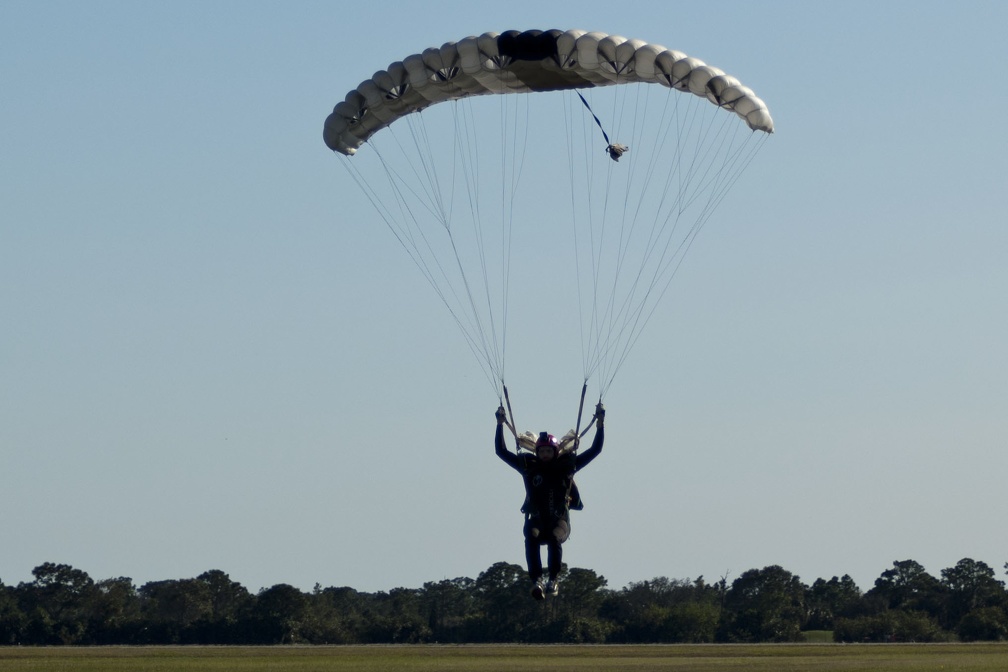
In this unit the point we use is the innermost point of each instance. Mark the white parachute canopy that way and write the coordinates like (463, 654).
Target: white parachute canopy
(448, 156)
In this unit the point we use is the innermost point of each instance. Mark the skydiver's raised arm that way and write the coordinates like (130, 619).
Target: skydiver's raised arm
(584, 458)
(502, 452)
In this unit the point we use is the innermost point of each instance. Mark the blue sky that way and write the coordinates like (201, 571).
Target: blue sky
(212, 358)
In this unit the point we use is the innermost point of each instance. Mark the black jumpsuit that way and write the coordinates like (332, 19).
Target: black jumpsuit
(547, 508)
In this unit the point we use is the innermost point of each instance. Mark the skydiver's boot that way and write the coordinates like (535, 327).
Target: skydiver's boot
(538, 590)
(553, 588)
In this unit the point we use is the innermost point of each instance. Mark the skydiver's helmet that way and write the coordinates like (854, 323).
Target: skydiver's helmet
(547, 440)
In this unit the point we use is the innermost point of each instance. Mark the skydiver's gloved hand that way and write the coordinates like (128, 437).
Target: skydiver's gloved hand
(599, 413)
(501, 415)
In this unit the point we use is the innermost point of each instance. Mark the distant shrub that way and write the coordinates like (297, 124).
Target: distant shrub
(984, 624)
(889, 626)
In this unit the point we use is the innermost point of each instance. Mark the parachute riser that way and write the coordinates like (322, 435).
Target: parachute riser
(577, 427)
(578, 432)
(511, 422)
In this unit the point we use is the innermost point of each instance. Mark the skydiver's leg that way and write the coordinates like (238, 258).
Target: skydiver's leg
(534, 559)
(554, 546)
(534, 539)
(532, 555)
(554, 558)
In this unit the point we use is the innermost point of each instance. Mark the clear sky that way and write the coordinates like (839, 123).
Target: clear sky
(210, 359)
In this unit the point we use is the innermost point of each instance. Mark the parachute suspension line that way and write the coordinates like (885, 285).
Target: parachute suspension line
(428, 174)
(732, 169)
(700, 172)
(462, 301)
(467, 153)
(736, 159)
(473, 328)
(626, 178)
(588, 315)
(599, 319)
(602, 318)
(512, 163)
(398, 181)
(627, 223)
(642, 310)
(595, 325)
(592, 325)
(423, 255)
(689, 156)
(625, 317)
(506, 221)
(571, 167)
(401, 226)
(596, 240)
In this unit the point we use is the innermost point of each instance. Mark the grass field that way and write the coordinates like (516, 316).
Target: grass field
(710, 658)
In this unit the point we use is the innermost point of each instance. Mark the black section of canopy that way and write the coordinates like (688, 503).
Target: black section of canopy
(531, 45)
(535, 61)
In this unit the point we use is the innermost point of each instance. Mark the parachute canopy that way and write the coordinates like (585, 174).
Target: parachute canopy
(466, 180)
(523, 62)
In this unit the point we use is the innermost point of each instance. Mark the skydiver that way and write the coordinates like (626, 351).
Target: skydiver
(549, 481)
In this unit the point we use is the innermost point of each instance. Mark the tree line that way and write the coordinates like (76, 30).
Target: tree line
(65, 606)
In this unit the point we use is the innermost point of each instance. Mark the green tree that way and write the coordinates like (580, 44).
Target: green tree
(12, 619)
(639, 610)
(828, 600)
(508, 614)
(573, 616)
(908, 587)
(451, 609)
(582, 593)
(764, 605)
(971, 585)
(228, 605)
(893, 625)
(696, 621)
(983, 624)
(280, 615)
(56, 604)
(172, 609)
(337, 616)
(400, 619)
(664, 610)
(114, 612)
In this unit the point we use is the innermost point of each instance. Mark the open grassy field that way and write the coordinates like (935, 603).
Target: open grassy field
(709, 658)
